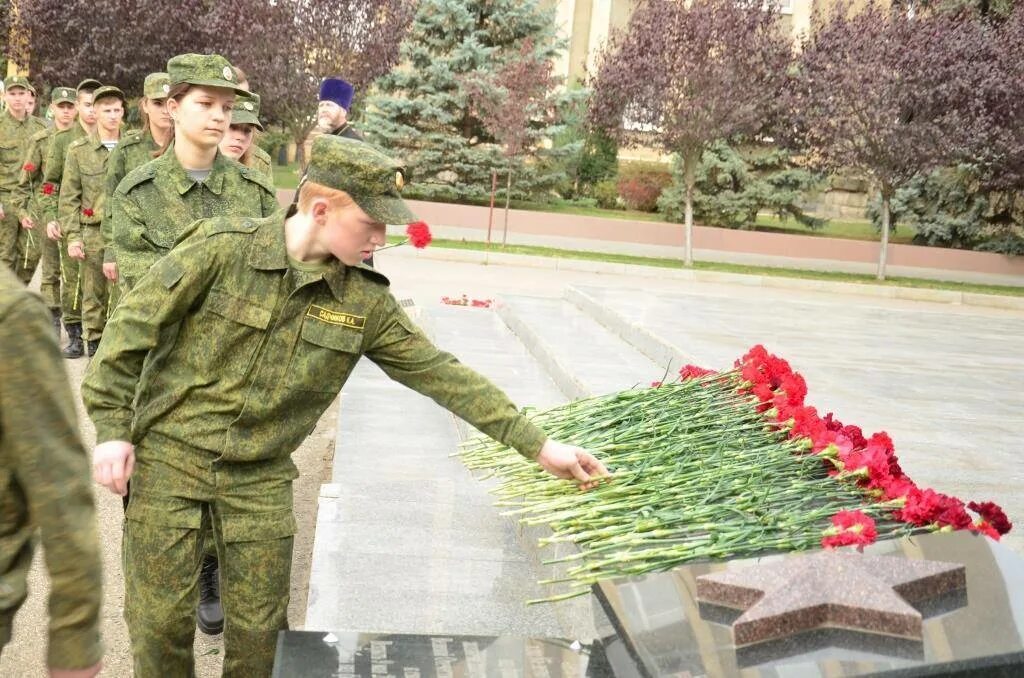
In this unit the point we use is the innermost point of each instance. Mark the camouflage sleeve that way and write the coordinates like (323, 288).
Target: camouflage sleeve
(27, 181)
(407, 356)
(115, 172)
(39, 427)
(69, 205)
(161, 297)
(53, 170)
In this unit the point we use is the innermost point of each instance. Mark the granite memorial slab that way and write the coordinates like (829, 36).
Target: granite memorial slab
(948, 604)
(309, 654)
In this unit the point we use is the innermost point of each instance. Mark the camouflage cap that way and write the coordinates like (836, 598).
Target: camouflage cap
(364, 172)
(89, 85)
(247, 110)
(209, 70)
(108, 91)
(156, 86)
(18, 81)
(60, 95)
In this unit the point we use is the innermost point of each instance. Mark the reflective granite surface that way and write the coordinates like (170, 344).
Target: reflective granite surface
(981, 633)
(308, 654)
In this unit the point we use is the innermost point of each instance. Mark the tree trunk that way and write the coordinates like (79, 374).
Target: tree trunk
(490, 214)
(508, 197)
(884, 247)
(690, 160)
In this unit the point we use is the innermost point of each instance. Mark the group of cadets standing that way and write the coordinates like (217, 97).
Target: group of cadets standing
(58, 180)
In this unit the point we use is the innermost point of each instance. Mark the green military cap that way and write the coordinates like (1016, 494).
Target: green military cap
(368, 175)
(60, 95)
(247, 110)
(156, 86)
(18, 81)
(108, 91)
(210, 70)
(89, 85)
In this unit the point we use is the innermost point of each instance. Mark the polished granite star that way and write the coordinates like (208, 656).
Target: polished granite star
(830, 589)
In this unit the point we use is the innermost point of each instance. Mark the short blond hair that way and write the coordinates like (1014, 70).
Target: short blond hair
(310, 191)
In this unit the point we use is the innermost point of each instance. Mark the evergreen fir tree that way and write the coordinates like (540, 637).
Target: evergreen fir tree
(421, 112)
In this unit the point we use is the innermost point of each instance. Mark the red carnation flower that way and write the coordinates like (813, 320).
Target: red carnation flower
(419, 234)
(850, 528)
(693, 372)
(985, 529)
(993, 515)
(48, 188)
(28, 167)
(87, 212)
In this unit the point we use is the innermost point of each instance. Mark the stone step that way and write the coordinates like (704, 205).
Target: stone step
(407, 540)
(582, 356)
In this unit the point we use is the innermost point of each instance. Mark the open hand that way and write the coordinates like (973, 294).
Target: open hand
(570, 462)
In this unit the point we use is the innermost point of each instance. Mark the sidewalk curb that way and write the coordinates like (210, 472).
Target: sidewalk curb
(754, 280)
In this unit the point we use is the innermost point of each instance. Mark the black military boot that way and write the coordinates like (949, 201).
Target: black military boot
(210, 614)
(91, 346)
(74, 349)
(56, 321)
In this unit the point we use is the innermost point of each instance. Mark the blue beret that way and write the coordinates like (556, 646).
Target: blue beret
(338, 91)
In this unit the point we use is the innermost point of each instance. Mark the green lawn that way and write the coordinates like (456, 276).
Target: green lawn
(728, 268)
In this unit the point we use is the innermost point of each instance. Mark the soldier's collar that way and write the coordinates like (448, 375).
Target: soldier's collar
(335, 277)
(183, 182)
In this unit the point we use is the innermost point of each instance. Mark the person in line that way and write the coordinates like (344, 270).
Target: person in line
(44, 488)
(191, 179)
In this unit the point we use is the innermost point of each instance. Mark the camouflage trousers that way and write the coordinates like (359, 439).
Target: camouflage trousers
(9, 233)
(95, 286)
(35, 248)
(177, 494)
(72, 272)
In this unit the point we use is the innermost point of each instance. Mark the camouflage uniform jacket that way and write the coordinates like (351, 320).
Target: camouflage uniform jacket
(261, 161)
(45, 482)
(134, 150)
(83, 188)
(154, 204)
(262, 349)
(14, 140)
(53, 168)
(27, 194)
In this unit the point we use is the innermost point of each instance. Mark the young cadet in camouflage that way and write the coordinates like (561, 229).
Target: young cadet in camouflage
(16, 130)
(134, 150)
(272, 316)
(154, 203)
(44, 484)
(81, 206)
(53, 173)
(30, 191)
(240, 141)
(260, 158)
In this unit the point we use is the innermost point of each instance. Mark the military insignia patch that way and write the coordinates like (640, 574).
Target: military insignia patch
(167, 88)
(357, 322)
(228, 75)
(248, 106)
(399, 181)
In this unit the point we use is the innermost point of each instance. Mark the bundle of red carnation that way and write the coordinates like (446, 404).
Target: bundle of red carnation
(869, 462)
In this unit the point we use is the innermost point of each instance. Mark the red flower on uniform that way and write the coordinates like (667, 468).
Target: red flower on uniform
(419, 234)
(28, 167)
(48, 188)
(850, 528)
(87, 212)
(992, 515)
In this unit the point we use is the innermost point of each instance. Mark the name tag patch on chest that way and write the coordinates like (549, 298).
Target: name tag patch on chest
(336, 317)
